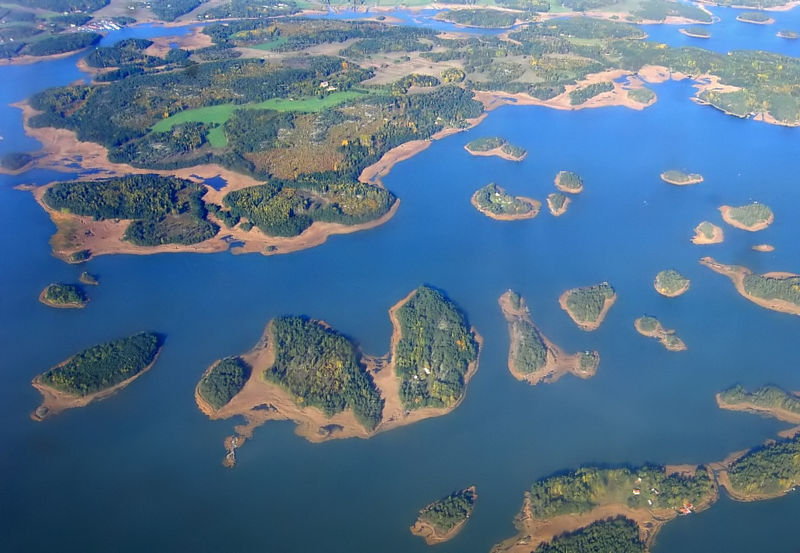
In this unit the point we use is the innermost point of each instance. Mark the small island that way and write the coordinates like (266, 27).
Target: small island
(493, 201)
(496, 146)
(642, 95)
(588, 306)
(764, 248)
(681, 178)
(758, 18)
(303, 370)
(708, 233)
(95, 373)
(651, 327)
(15, 162)
(557, 203)
(89, 279)
(64, 296)
(768, 400)
(569, 182)
(788, 34)
(441, 520)
(696, 32)
(671, 283)
(777, 291)
(753, 217)
(531, 356)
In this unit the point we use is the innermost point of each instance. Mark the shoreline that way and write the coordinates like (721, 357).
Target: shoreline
(48, 303)
(765, 248)
(428, 532)
(769, 21)
(499, 152)
(682, 290)
(660, 333)
(535, 206)
(561, 210)
(725, 210)
(691, 180)
(700, 239)
(693, 35)
(591, 325)
(565, 189)
(748, 407)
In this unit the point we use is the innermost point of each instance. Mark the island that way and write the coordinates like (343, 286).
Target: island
(753, 217)
(767, 400)
(788, 34)
(651, 327)
(531, 356)
(441, 520)
(493, 201)
(569, 182)
(88, 279)
(303, 370)
(696, 32)
(557, 203)
(96, 373)
(496, 146)
(486, 18)
(763, 248)
(64, 296)
(642, 95)
(587, 306)
(708, 233)
(671, 283)
(777, 291)
(758, 18)
(681, 178)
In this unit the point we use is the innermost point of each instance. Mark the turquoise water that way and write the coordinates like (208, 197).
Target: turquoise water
(142, 470)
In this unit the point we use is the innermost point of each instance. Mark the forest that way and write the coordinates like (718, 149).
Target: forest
(569, 181)
(670, 282)
(751, 215)
(105, 365)
(481, 17)
(585, 304)
(617, 535)
(770, 288)
(450, 511)
(435, 351)
(251, 9)
(766, 397)
(169, 10)
(530, 351)
(13, 161)
(60, 43)
(496, 200)
(223, 381)
(64, 295)
(584, 93)
(321, 368)
(770, 469)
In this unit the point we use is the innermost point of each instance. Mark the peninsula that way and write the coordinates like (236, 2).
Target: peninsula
(671, 283)
(64, 296)
(696, 32)
(752, 217)
(776, 291)
(493, 201)
(767, 400)
(651, 327)
(764, 472)
(496, 146)
(708, 233)
(557, 203)
(531, 356)
(681, 178)
(588, 306)
(569, 182)
(95, 373)
(340, 392)
(441, 520)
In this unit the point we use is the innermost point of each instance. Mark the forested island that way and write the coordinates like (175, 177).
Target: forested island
(767, 400)
(651, 327)
(557, 203)
(531, 356)
(671, 283)
(681, 178)
(569, 182)
(777, 291)
(759, 18)
(753, 217)
(708, 233)
(64, 296)
(588, 306)
(95, 373)
(493, 201)
(496, 146)
(495, 19)
(788, 34)
(305, 371)
(441, 520)
(696, 32)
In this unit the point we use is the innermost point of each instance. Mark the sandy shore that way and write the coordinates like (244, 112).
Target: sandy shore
(747, 407)
(737, 273)
(563, 188)
(592, 325)
(557, 212)
(718, 235)
(260, 401)
(48, 303)
(725, 210)
(661, 334)
(431, 534)
(496, 152)
(557, 364)
(535, 206)
(55, 401)
(693, 178)
(764, 248)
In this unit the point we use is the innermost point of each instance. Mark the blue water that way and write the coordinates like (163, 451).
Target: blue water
(141, 471)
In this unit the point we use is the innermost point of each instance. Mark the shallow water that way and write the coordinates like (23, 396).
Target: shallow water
(142, 470)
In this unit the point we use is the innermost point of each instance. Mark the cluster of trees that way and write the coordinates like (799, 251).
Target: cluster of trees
(495, 199)
(647, 323)
(556, 200)
(251, 9)
(770, 469)
(434, 353)
(223, 381)
(60, 43)
(321, 368)
(670, 281)
(706, 229)
(676, 176)
(659, 10)
(103, 366)
(586, 488)
(64, 5)
(169, 10)
(64, 294)
(569, 181)
(769, 288)
(530, 351)
(769, 397)
(585, 304)
(485, 144)
(620, 535)
(124, 52)
(584, 93)
(448, 512)
(751, 214)
(753, 17)
(480, 17)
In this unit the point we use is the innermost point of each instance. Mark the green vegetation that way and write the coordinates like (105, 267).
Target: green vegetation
(772, 288)
(584, 93)
(617, 535)
(768, 470)
(125, 52)
(706, 229)
(433, 356)
(497, 201)
(659, 10)
(530, 353)
(101, 367)
(60, 44)
(753, 17)
(513, 151)
(697, 32)
(450, 511)
(671, 283)
(480, 17)
(251, 9)
(321, 368)
(767, 397)
(485, 144)
(64, 295)
(556, 200)
(88, 278)
(14, 161)
(788, 33)
(648, 324)
(223, 381)
(586, 304)
(676, 176)
(80, 256)
(62, 6)
(165, 210)
(586, 488)
(172, 9)
(642, 95)
(570, 182)
(752, 215)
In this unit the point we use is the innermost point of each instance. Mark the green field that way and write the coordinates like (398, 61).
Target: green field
(271, 45)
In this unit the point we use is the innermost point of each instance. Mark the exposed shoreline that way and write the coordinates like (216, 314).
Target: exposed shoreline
(535, 206)
(661, 334)
(725, 210)
(717, 236)
(693, 179)
(563, 188)
(769, 21)
(763, 248)
(70, 305)
(499, 152)
(591, 325)
(429, 532)
(558, 212)
(693, 35)
(748, 407)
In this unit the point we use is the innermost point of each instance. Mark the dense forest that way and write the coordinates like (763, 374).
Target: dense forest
(481, 17)
(569, 181)
(751, 214)
(321, 368)
(495, 199)
(223, 381)
(671, 282)
(770, 288)
(767, 397)
(584, 93)
(63, 5)
(64, 295)
(169, 10)
(103, 366)
(60, 43)
(434, 353)
(530, 350)
(450, 511)
(617, 535)
(585, 304)
(770, 469)
(251, 9)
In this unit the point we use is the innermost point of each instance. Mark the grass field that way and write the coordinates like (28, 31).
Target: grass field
(271, 45)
